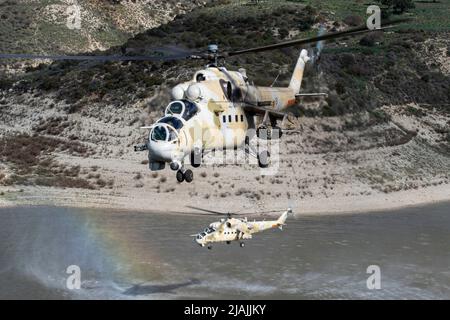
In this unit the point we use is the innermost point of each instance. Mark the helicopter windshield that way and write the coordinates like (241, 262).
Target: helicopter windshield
(209, 230)
(172, 121)
(183, 108)
(159, 133)
(163, 132)
(175, 107)
(190, 111)
(205, 232)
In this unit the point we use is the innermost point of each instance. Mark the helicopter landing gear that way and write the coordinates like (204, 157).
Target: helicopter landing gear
(196, 157)
(276, 133)
(242, 244)
(269, 133)
(188, 175)
(185, 175)
(264, 159)
(180, 176)
(209, 247)
(262, 132)
(228, 242)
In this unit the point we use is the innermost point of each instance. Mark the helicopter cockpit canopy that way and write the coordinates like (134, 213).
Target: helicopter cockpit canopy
(163, 133)
(206, 232)
(172, 121)
(182, 108)
(166, 129)
(209, 230)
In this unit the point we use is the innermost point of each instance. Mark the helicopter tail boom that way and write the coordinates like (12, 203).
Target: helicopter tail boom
(297, 75)
(282, 219)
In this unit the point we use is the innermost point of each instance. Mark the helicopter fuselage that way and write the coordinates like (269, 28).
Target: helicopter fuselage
(224, 101)
(232, 229)
(215, 111)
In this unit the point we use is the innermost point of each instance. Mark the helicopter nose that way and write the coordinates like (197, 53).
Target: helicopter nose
(162, 150)
(199, 241)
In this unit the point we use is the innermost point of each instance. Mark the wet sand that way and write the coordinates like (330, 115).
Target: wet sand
(141, 200)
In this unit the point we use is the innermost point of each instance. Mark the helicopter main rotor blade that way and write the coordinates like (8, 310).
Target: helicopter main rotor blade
(327, 36)
(96, 58)
(269, 211)
(206, 210)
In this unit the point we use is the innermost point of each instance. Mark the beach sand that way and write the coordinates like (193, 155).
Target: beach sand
(323, 166)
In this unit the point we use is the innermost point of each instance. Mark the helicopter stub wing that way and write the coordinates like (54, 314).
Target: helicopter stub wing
(243, 234)
(312, 95)
(258, 110)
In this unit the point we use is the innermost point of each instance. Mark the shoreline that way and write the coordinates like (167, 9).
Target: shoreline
(137, 202)
(317, 171)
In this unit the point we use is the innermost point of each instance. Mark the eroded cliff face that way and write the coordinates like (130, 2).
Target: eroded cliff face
(72, 26)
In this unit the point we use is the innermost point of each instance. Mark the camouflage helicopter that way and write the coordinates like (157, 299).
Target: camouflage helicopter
(234, 229)
(222, 109)
(218, 109)
(214, 111)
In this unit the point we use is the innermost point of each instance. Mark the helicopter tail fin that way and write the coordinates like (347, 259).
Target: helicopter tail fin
(297, 75)
(282, 219)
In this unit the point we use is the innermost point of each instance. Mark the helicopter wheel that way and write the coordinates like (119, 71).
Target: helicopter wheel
(242, 244)
(209, 247)
(264, 159)
(228, 242)
(180, 176)
(196, 157)
(188, 175)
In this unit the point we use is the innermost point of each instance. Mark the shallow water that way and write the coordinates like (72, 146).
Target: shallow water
(126, 255)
